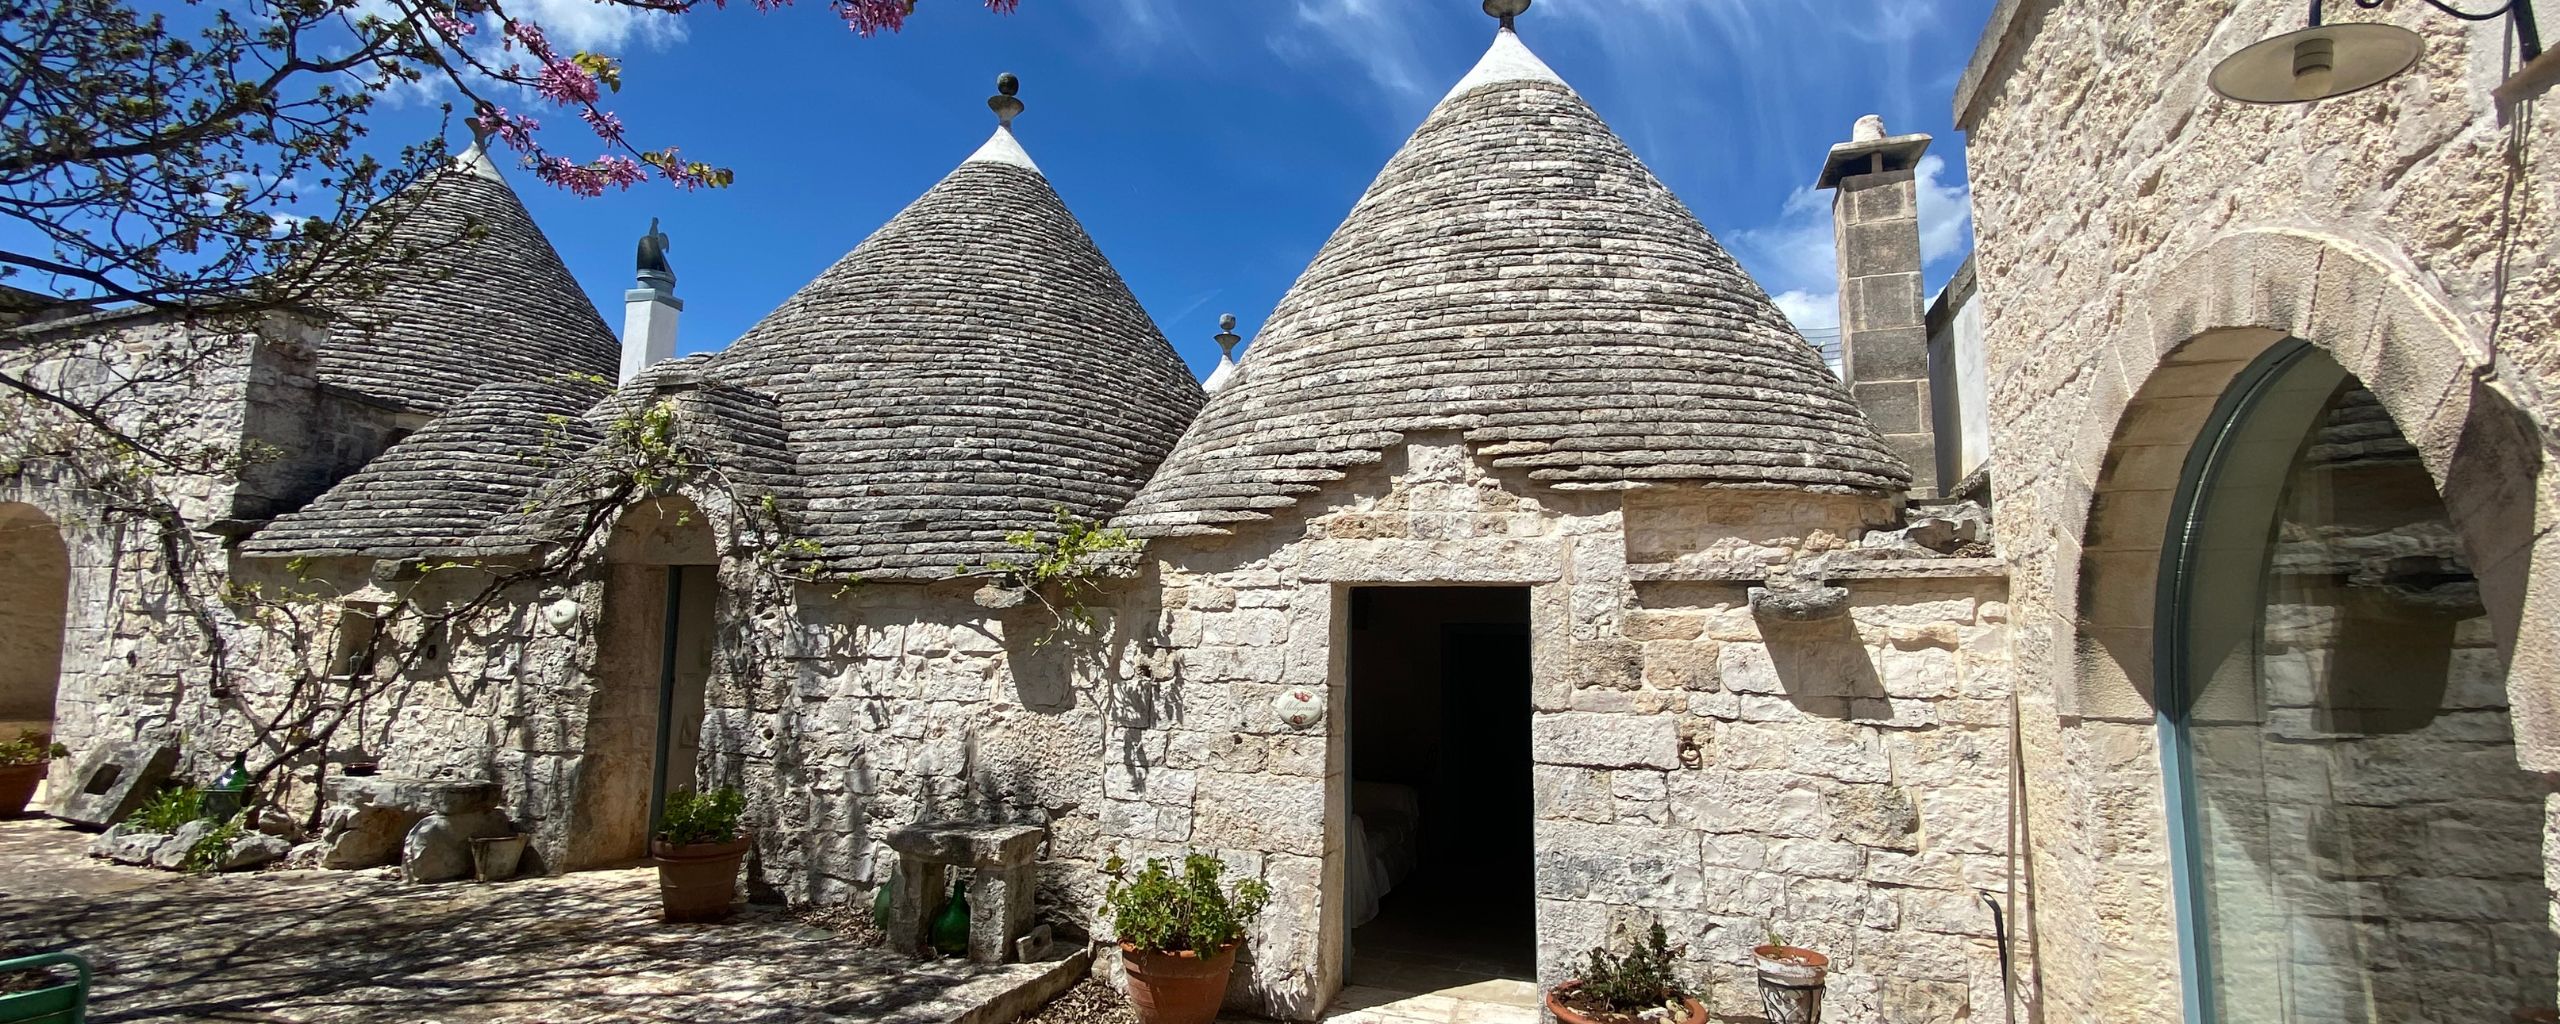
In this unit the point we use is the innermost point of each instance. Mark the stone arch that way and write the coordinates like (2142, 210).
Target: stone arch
(2180, 342)
(653, 645)
(35, 585)
(2196, 327)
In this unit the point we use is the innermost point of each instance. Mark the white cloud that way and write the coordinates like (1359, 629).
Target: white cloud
(1373, 34)
(601, 27)
(1794, 256)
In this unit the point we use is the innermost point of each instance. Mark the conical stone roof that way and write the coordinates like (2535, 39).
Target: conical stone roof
(479, 306)
(968, 370)
(1517, 274)
(438, 490)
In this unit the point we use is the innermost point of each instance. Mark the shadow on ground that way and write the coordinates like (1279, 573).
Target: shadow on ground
(360, 946)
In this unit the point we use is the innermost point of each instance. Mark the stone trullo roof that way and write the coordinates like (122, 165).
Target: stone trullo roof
(493, 303)
(1517, 274)
(971, 367)
(439, 490)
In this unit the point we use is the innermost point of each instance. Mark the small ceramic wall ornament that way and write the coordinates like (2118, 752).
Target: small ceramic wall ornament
(561, 614)
(1299, 706)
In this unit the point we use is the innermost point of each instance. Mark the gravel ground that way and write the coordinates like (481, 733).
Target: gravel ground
(1090, 1002)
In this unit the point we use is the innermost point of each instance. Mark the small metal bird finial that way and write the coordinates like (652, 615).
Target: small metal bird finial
(1003, 103)
(1506, 9)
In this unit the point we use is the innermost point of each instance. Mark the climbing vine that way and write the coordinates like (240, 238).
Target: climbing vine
(1063, 571)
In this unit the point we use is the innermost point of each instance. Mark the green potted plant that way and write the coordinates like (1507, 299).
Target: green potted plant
(23, 762)
(1179, 933)
(1626, 988)
(46, 988)
(697, 846)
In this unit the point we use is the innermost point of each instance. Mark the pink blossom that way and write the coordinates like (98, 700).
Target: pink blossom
(530, 35)
(564, 82)
(871, 17)
(516, 130)
(452, 27)
(607, 124)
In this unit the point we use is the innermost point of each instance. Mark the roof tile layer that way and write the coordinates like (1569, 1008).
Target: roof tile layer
(973, 366)
(486, 299)
(438, 490)
(1517, 274)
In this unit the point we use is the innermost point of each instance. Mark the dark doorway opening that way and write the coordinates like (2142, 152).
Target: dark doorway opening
(1439, 861)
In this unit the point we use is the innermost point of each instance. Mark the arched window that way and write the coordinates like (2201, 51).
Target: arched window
(2355, 840)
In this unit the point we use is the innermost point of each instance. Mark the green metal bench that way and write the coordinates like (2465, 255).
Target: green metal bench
(66, 1003)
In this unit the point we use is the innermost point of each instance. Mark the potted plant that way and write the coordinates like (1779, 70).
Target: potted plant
(1791, 980)
(23, 762)
(1179, 933)
(35, 989)
(698, 846)
(1639, 986)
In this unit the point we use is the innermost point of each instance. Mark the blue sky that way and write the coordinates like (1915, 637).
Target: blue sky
(1210, 146)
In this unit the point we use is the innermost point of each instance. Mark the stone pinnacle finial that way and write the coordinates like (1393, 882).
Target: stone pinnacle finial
(1868, 129)
(1506, 9)
(1003, 103)
(1224, 376)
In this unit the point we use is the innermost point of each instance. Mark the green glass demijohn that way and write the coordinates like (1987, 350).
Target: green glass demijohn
(951, 926)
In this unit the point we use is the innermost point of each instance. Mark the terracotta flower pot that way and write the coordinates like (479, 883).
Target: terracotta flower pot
(1177, 988)
(18, 785)
(1791, 981)
(1567, 1014)
(699, 881)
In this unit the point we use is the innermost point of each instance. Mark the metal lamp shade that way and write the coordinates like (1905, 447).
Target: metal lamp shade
(2317, 63)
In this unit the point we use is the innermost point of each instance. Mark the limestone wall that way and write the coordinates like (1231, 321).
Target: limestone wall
(2123, 213)
(1845, 782)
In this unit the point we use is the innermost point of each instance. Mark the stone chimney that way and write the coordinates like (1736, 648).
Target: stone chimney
(649, 310)
(1884, 331)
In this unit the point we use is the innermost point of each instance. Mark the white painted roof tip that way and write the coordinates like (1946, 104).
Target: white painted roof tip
(476, 160)
(1509, 60)
(1223, 377)
(1003, 149)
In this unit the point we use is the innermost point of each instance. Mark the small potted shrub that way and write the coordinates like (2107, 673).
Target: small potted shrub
(698, 845)
(23, 762)
(1791, 980)
(1179, 934)
(1639, 986)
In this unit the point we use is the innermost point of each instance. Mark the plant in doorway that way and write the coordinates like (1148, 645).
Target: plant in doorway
(1640, 985)
(698, 844)
(22, 766)
(1179, 933)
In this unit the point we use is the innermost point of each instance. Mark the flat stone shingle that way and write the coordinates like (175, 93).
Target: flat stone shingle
(438, 491)
(1517, 274)
(485, 299)
(971, 367)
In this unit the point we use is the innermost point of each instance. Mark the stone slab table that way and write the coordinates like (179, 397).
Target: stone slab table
(368, 818)
(999, 861)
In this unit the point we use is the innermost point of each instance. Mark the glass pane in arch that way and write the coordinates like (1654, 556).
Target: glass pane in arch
(2358, 843)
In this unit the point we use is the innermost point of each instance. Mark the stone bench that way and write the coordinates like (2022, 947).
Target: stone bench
(999, 892)
(424, 825)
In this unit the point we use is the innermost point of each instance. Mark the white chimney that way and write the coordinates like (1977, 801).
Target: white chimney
(649, 311)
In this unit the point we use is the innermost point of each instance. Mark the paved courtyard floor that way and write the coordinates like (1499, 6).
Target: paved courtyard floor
(348, 946)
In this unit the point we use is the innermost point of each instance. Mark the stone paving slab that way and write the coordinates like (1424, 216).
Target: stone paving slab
(315, 947)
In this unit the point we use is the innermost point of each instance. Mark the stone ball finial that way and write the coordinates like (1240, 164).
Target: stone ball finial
(1227, 337)
(1226, 321)
(1506, 9)
(1869, 129)
(1003, 103)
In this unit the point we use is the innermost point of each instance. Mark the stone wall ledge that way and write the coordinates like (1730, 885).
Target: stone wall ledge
(1878, 569)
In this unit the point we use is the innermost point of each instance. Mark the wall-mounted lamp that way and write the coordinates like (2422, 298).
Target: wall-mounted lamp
(2328, 61)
